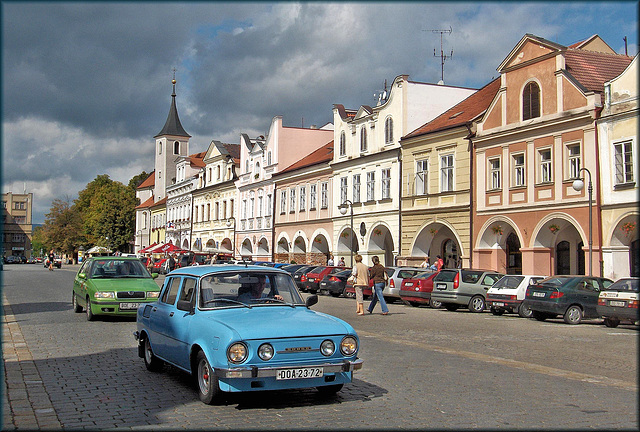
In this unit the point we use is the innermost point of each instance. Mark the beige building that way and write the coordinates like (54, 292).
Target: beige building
(16, 224)
(436, 187)
(618, 150)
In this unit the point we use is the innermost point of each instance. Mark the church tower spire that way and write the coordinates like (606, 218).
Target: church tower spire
(171, 142)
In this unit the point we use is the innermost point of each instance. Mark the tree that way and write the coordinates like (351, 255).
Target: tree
(39, 241)
(62, 229)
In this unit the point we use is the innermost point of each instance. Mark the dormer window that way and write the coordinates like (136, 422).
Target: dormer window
(531, 101)
(363, 139)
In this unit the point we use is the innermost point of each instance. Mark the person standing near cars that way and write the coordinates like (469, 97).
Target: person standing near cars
(52, 257)
(379, 275)
(172, 263)
(425, 263)
(330, 261)
(341, 262)
(361, 275)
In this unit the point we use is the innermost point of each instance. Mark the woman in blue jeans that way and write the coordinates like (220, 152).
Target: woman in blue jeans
(378, 273)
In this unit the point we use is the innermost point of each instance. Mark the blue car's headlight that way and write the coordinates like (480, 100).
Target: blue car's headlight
(265, 352)
(349, 346)
(327, 348)
(237, 353)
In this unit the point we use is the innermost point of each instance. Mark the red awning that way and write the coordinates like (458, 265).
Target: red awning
(148, 248)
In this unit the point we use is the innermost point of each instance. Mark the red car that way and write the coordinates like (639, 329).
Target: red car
(350, 291)
(312, 278)
(417, 290)
(158, 266)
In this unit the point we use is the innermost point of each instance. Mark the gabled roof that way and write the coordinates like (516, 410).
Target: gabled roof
(149, 182)
(233, 150)
(462, 113)
(344, 113)
(173, 126)
(148, 203)
(162, 202)
(197, 159)
(592, 69)
(323, 155)
(593, 43)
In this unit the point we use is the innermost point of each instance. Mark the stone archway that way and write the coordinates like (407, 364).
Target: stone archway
(381, 244)
(347, 245)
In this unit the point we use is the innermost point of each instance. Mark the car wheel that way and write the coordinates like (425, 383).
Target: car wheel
(329, 390)
(573, 315)
(206, 380)
(497, 311)
(451, 307)
(334, 294)
(436, 304)
(611, 322)
(151, 362)
(90, 315)
(476, 304)
(539, 316)
(74, 301)
(524, 311)
(414, 304)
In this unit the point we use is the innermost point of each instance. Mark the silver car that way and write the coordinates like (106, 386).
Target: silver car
(396, 275)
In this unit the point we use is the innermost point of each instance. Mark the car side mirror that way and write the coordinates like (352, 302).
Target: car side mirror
(184, 305)
(154, 275)
(311, 300)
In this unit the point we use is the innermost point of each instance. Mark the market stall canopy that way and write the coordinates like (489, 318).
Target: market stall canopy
(148, 248)
(164, 248)
(98, 250)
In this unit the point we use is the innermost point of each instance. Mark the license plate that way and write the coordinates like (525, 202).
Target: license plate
(323, 284)
(409, 284)
(498, 303)
(441, 286)
(616, 303)
(299, 373)
(311, 279)
(538, 294)
(129, 306)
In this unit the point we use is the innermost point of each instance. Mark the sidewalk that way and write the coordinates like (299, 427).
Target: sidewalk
(25, 402)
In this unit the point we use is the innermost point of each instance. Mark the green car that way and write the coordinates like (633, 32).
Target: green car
(113, 285)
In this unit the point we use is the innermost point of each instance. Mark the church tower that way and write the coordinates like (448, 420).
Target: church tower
(171, 142)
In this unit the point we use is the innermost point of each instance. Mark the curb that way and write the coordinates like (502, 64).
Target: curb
(25, 401)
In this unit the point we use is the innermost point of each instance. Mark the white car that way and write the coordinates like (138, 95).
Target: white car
(507, 294)
(619, 301)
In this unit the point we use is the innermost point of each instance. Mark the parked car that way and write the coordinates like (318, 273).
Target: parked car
(391, 291)
(573, 297)
(619, 302)
(159, 266)
(201, 258)
(314, 276)
(31, 260)
(350, 291)
(416, 290)
(12, 259)
(229, 341)
(291, 268)
(463, 287)
(112, 285)
(508, 293)
(299, 275)
(334, 283)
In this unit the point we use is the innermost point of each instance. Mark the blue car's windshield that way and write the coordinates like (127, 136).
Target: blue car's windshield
(247, 288)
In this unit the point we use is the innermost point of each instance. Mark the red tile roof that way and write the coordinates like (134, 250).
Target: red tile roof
(323, 155)
(592, 69)
(163, 201)
(462, 113)
(149, 181)
(197, 159)
(148, 203)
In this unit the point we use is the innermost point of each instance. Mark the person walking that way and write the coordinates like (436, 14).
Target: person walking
(52, 257)
(379, 275)
(361, 274)
(439, 263)
(172, 263)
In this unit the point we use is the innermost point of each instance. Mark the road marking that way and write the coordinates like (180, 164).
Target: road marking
(531, 367)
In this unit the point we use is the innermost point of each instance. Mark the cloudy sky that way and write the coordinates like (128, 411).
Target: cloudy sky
(86, 86)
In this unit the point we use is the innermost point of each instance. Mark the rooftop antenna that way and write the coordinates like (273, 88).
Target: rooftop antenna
(443, 56)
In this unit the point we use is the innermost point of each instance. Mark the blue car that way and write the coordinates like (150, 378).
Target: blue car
(238, 328)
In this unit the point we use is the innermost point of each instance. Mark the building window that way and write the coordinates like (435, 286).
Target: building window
(343, 144)
(363, 139)
(176, 147)
(292, 200)
(371, 186)
(312, 196)
(573, 155)
(268, 158)
(246, 166)
(303, 198)
(252, 206)
(494, 172)
(283, 202)
(343, 189)
(545, 165)
(386, 183)
(260, 206)
(244, 209)
(422, 170)
(324, 195)
(356, 188)
(518, 170)
(208, 215)
(531, 101)
(218, 171)
(623, 161)
(388, 131)
(267, 210)
(446, 173)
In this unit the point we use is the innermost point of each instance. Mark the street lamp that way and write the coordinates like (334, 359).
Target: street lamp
(578, 185)
(343, 211)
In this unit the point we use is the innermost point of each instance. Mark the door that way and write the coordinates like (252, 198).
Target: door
(514, 256)
(160, 314)
(178, 326)
(588, 292)
(563, 258)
